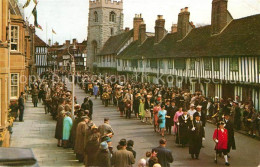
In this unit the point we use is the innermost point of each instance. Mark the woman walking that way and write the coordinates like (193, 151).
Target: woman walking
(156, 109)
(67, 125)
(162, 119)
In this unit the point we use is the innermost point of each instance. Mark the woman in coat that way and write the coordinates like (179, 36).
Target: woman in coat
(104, 156)
(162, 119)
(176, 127)
(67, 125)
(59, 128)
(141, 109)
(95, 91)
(156, 109)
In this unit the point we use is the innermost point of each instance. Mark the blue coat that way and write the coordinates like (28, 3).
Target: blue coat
(95, 90)
(67, 125)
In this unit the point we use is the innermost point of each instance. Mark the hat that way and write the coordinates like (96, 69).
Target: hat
(94, 127)
(221, 123)
(199, 106)
(106, 139)
(192, 105)
(196, 114)
(235, 102)
(103, 145)
(85, 116)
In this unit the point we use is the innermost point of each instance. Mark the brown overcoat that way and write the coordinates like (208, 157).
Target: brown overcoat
(80, 136)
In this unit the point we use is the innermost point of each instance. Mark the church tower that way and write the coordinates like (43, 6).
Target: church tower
(105, 19)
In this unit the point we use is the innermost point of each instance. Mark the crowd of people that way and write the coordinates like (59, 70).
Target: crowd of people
(171, 111)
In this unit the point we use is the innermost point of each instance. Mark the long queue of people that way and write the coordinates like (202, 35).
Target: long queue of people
(177, 111)
(169, 110)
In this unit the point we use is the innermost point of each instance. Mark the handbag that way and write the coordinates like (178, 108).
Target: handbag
(159, 121)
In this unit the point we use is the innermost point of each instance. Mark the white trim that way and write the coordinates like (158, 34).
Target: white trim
(18, 85)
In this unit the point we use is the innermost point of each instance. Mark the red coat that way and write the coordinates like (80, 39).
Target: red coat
(222, 138)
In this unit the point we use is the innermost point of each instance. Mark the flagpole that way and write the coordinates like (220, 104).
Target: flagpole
(52, 36)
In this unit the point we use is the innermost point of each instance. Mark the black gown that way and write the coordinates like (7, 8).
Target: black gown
(184, 129)
(195, 142)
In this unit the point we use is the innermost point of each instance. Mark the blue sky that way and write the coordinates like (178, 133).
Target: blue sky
(69, 18)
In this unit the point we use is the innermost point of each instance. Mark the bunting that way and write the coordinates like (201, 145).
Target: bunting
(27, 3)
(34, 12)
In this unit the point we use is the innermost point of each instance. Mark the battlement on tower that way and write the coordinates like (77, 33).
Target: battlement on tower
(106, 4)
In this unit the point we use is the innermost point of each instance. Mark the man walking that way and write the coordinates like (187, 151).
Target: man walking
(164, 155)
(21, 107)
(106, 129)
(122, 157)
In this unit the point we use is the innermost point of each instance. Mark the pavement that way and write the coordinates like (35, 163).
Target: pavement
(37, 132)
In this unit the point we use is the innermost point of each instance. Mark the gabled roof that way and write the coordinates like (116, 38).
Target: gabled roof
(114, 43)
(39, 42)
(240, 38)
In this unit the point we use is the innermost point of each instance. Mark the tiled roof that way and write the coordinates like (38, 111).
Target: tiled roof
(114, 43)
(240, 38)
(38, 41)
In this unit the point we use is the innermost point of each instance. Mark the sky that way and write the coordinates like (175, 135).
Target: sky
(69, 18)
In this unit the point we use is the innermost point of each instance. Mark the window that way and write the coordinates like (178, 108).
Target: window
(179, 63)
(14, 85)
(112, 17)
(216, 62)
(161, 65)
(104, 59)
(207, 64)
(141, 64)
(233, 64)
(192, 64)
(170, 64)
(14, 38)
(258, 64)
(118, 62)
(95, 16)
(153, 63)
(147, 63)
(134, 63)
(112, 31)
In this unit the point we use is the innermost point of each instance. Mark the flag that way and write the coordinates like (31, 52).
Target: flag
(53, 31)
(34, 12)
(40, 27)
(35, 1)
(27, 3)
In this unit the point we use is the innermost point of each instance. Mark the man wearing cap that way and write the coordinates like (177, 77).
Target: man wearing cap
(196, 136)
(122, 157)
(220, 137)
(202, 115)
(192, 110)
(163, 154)
(230, 129)
(80, 136)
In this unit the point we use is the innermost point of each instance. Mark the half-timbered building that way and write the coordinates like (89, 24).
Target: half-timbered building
(41, 55)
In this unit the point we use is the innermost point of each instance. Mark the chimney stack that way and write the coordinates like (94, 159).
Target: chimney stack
(183, 26)
(74, 41)
(56, 43)
(159, 29)
(49, 42)
(127, 29)
(142, 33)
(67, 43)
(174, 28)
(220, 16)
(137, 21)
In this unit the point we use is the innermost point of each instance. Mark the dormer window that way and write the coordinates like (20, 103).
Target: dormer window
(112, 17)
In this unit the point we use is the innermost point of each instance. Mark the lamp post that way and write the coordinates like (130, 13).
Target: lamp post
(72, 69)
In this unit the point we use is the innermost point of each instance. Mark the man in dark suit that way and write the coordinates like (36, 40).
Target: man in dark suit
(164, 155)
(230, 128)
(21, 107)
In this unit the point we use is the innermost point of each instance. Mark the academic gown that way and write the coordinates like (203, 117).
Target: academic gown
(195, 142)
(184, 129)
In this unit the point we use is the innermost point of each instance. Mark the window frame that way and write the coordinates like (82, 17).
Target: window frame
(216, 63)
(192, 63)
(177, 65)
(12, 40)
(170, 64)
(153, 63)
(112, 17)
(207, 63)
(232, 66)
(96, 17)
(12, 85)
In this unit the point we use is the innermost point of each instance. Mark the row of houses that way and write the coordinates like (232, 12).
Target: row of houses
(221, 59)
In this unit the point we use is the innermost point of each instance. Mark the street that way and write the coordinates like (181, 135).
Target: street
(37, 132)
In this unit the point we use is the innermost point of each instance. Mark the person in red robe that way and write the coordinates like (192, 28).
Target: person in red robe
(220, 137)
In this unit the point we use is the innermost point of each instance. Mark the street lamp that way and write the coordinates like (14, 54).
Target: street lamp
(72, 69)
